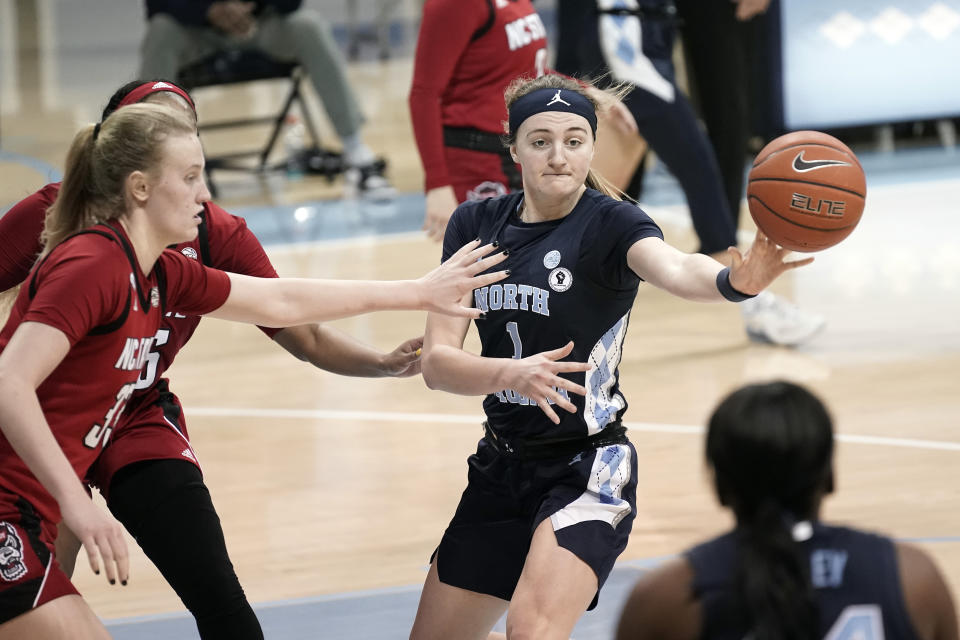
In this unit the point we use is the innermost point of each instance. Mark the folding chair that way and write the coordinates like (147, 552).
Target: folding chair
(235, 66)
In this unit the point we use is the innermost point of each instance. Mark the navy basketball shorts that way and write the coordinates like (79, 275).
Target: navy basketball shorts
(589, 498)
(29, 574)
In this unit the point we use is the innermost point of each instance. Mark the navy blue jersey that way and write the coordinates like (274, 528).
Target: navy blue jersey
(855, 575)
(569, 280)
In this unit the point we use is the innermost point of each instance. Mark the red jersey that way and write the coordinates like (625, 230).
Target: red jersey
(20, 229)
(224, 242)
(468, 51)
(111, 322)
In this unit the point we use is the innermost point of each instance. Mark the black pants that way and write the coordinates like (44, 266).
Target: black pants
(720, 52)
(166, 507)
(669, 127)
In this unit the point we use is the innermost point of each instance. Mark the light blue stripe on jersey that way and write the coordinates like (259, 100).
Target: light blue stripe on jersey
(601, 501)
(600, 406)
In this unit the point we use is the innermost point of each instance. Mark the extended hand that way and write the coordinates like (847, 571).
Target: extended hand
(747, 9)
(404, 361)
(101, 536)
(762, 264)
(537, 377)
(443, 289)
(232, 17)
(441, 202)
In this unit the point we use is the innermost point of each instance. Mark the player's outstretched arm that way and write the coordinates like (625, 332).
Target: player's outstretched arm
(33, 352)
(446, 366)
(288, 302)
(332, 350)
(694, 276)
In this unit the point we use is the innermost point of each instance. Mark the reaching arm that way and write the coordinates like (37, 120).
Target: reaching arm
(448, 367)
(334, 351)
(33, 352)
(288, 302)
(694, 276)
(689, 275)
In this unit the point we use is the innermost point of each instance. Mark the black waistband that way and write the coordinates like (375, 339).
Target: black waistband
(545, 448)
(473, 139)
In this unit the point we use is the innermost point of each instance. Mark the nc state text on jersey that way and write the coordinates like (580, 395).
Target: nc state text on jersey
(525, 30)
(134, 354)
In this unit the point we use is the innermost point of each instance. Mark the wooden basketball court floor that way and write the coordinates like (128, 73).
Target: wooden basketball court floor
(333, 491)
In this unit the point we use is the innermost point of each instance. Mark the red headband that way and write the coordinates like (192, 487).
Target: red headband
(149, 88)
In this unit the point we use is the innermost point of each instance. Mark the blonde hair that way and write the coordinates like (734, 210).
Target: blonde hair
(99, 161)
(523, 85)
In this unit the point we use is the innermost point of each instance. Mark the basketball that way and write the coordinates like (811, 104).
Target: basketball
(806, 191)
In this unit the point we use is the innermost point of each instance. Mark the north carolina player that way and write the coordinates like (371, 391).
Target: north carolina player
(782, 574)
(150, 474)
(85, 324)
(550, 498)
(468, 51)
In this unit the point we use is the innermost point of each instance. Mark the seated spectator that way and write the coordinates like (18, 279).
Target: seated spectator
(180, 32)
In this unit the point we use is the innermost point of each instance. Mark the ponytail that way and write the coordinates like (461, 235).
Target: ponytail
(73, 208)
(771, 448)
(773, 578)
(101, 159)
(604, 186)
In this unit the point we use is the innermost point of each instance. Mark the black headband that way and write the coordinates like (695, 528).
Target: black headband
(542, 100)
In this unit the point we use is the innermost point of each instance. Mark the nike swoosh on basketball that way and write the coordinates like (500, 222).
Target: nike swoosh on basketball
(802, 166)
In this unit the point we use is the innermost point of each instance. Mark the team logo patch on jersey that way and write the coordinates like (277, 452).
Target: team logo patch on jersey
(186, 453)
(154, 297)
(486, 189)
(552, 259)
(190, 252)
(560, 279)
(12, 567)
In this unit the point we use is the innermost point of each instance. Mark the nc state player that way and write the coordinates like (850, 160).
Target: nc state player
(468, 51)
(781, 572)
(86, 321)
(149, 474)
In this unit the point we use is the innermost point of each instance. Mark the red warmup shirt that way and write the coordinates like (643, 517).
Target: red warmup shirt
(111, 320)
(459, 78)
(224, 242)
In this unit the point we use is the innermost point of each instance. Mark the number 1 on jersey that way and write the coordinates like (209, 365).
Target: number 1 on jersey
(515, 337)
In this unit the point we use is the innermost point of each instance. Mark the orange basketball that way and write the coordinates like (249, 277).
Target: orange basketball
(806, 191)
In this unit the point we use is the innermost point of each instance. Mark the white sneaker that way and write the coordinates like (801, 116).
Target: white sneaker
(368, 182)
(774, 320)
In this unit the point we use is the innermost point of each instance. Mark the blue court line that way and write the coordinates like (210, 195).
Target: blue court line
(643, 564)
(52, 173)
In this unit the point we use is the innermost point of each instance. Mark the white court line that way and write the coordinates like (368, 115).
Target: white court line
(391, 416)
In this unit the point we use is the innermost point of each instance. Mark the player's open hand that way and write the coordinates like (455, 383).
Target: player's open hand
(443, 289)
(404, 361)
(747, 9)
(441, 203)
(101, 536)
(763, 263)
(538, 377)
